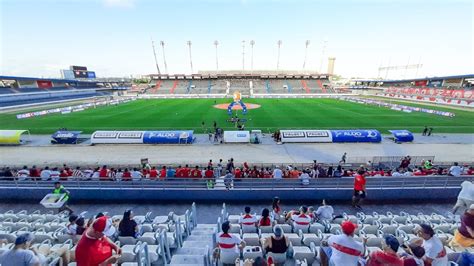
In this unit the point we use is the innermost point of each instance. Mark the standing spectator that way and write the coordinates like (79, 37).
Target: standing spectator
(153, 173)
(94, 248)
(455, 170)
(435, 253)
(343, 158)
(128, 226)
(45, 174)
(34, 173)
(136, 175)
(276, 208)
(23, 173)
(388, 255)
(230, 165)
(464, 236)
(21, 253)
(359, 189)
(343, 249)
(265, 220)
(465, 196)
(405, 162)
(325, 212)
(60, 189)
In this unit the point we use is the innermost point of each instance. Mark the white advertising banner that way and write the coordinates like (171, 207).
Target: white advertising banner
(305, 136)
(114, 137)
(236, 136)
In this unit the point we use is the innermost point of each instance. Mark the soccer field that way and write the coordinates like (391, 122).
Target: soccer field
(273, 114)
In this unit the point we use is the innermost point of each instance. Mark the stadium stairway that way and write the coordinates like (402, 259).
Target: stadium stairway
(305, 86)
(267, 86)
(290, 88)
(320, 85)
(188, 88)
(209, 87)
(173, 88)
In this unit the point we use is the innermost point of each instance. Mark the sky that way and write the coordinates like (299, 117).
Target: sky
(113, 37)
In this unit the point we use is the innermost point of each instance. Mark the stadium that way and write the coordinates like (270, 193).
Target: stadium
(289, 166)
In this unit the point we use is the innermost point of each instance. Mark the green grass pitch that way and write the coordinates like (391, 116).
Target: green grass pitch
(273, 114)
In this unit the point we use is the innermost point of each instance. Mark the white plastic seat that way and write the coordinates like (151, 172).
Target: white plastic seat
(127, 240)
(313, 228)
(251, 239)
(249, 228)
(265, 229)
(294, 239)
(304, 228)
(304, 252)
(234, 228)
(278, 258)
(160, 220)
(226, 257)
(252, 252)
(233, 219)
(286, 228)
(149, 237)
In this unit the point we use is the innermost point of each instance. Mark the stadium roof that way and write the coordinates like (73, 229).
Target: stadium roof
(34, 79)
(466, 76)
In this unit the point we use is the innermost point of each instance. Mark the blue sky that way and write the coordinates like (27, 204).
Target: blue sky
(112, 37)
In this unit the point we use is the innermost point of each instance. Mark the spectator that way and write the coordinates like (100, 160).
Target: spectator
(136, 175)
(300, 218)
(229, 243)
(294, 173)
(119, 175)
(413, 255)
(80, 226)
(343, 249)
(153, 173)
(455, 170)
(343, 158)
(265, 220)
(330, 171)
(304, 177)
(34, 173)
(397, 173)
(435, 253)
(338, 172)
(430, 131)
(405, 162)
(219, 168)
(247, 218)
(186, 172)
(60, 189)
(388, 255)
(55, 174)
(238, 173)
(170, 172)
(77, 173)
(209, 173)
(95, 174)
(126, 176)
(128, 226)
(278, 243)
(72, 226)
(359, 189)
(464, 236)
(196, 172)
(325, 212)
(45, 174)
(23, 173)
(163, 172)
(277, 173)
(104, 173)
(22, 254)
(276, 208)
(94, 248)
(465, 196)
(228, 180)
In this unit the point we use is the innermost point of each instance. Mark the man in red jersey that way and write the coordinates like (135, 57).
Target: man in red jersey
(359, 189)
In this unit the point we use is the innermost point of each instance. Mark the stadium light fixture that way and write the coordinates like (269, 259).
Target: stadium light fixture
(278, 57)
(252, 43)
(162, 43)
(154, 54)
(216, 43)
(323, 53)
(243, 55)
(190, 56)
(305, 53)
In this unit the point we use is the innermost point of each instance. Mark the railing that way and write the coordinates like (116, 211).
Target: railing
(373, 183)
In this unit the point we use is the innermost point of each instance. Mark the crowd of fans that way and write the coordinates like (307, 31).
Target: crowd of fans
(220, 169)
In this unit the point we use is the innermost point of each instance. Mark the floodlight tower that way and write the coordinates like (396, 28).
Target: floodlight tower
(305, 54)
(278, 57)
(154, 53)
(162, 43)
(216, 43)
(243, 55)
(190, 56)
(252, 43)
(323, 52)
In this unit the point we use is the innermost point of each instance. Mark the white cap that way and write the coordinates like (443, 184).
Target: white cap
(471, 207)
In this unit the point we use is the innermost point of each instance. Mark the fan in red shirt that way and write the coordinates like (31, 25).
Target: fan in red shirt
(238, 173)
(209, 173)
(186, 172)
(126, 176)
(359, 189)
(387, 257)
(94, 248)
(104, 173)
(265, 220)
(153, 173)
(196, 172)
(163, 172)
(34, 172)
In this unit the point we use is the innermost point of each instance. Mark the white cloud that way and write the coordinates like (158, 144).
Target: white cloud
(119, 3)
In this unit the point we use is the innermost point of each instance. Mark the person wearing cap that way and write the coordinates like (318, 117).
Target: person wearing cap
(343, 249)
(94, 248)
(465, 196)
(229, 242)
(21, 253)
(247, 219)
(435, 253)
(464, 236)
(388, 255)
(278, 243)
(359, 188)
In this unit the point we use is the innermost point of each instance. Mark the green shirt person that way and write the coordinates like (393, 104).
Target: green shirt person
(59, 189)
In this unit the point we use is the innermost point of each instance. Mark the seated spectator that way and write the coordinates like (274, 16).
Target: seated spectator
(22, 253)
(196, 172)
(464, 236)
(265, 220)
(325, 212)
(304, 177)
(388, 255)
(112, 174)
(136, 175)
(63, 175)
(209, 173)
(435, 253)
(34, 172)
(23, 173)
(238, 173)
(455, 170)
(247, 218)
(163, 172)
(278, 243)
(294, 173)
(267, 173)
(254, 172)
(153, 173)
(170, 172)
(71, 227)
(413, 256)
(45, 174)
(465, 196)
(80, 226)
(397, 172)
(277, 173)
(342, 249)
(338, 172)
(95, 174)
(300, 218)
(127, 176)
(119, 175)
(229, 243)
(186, 171)
(276, 208)
(330, 171)
(55, 174)
(128, 226)
(104, 173)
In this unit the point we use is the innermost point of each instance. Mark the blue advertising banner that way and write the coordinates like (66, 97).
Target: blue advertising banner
(91, 74)
(402, 135)
(356, 135)
(168, 137)
(65, 137)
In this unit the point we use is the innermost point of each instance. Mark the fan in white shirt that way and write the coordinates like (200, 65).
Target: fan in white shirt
(325, 212)
(435, 253)
(23, 173)
(344, 249)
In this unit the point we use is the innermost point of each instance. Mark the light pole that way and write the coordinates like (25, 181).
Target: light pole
(154, 53)
(278, 57)
(162, 43)
(190, 57)
(243, 55)
(216, 43)
(252, 43)
(305, 54)
(323, 52)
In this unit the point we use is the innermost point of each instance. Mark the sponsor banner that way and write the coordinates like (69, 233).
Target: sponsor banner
(402, 135)
(91, 74)
(236, 136)
(116, 137)
(65, 137)
(305, 136)
(168, 137)
(369, 135)
(44, 84)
